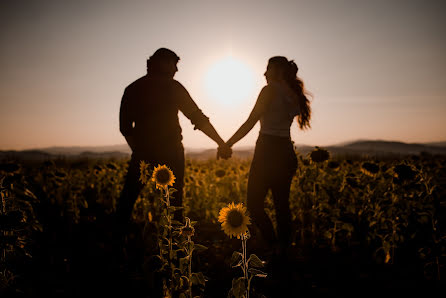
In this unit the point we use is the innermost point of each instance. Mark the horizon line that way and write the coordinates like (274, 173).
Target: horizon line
(342, 143)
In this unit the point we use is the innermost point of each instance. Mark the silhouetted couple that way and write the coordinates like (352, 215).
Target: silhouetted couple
(149, 123)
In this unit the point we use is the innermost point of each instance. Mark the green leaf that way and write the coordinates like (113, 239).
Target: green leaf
(163, 220)
(327, 234)
(30, 194)
(238, 264)
(38, 227)
(238, 287)
(173, 254)
(199, 247)
(347, 227)
(172, 209)
(176, 222)
(184, 282)
(236, 257)
(84, 204)
(3, 282)
(257, 273)
(254, 261)
(198, 279)
(24, 192)
(184, 263)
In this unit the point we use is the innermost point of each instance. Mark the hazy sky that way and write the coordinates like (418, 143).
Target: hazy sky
(377, 69)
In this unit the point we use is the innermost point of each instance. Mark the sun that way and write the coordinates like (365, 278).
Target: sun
(229, 81)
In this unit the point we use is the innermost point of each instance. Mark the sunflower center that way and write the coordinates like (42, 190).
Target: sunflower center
(235, 218)
(163, 176)
(220, 173)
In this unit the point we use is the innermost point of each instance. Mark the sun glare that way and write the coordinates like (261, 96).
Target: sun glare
(229, 81)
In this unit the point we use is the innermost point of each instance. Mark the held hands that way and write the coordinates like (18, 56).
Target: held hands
(224, 151)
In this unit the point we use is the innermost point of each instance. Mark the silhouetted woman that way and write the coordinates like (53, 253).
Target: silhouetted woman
(274, 163)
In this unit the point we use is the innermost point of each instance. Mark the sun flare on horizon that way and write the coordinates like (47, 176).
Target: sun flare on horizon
(229, 81)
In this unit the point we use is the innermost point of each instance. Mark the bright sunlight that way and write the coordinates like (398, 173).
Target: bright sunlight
(229, 81)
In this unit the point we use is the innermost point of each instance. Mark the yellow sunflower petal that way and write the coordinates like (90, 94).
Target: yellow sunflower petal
(234, 220)
(163, 177)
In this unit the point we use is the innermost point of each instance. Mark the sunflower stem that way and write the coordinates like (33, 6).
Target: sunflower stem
(189, 251)
(245, 263)
(169, 231)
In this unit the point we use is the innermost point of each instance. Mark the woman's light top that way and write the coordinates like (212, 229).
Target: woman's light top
(280, 111)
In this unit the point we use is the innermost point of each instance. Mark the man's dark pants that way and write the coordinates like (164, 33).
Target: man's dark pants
(174, 159)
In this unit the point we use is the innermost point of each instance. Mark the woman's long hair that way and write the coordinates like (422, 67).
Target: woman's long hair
(289, 70)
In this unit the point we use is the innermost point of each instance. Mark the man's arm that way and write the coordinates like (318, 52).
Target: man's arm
(125, 120)
(210, 131)
(190, 109)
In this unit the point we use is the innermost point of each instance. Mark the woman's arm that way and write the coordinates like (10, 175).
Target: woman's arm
(255, 115)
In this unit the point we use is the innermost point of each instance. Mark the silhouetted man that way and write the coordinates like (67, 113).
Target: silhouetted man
(150, 125)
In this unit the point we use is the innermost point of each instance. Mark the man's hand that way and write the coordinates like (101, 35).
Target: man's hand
(224, 151)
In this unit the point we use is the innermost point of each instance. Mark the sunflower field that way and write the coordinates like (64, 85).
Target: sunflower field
(360, 224)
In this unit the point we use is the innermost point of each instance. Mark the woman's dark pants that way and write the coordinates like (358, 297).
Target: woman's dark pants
(273, 167)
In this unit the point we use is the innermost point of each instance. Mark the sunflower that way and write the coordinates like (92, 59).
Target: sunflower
(220, 173)
(352, 181)
(187, 230)
(319, 155)
(370, 169)
(111, 166)
(333, 165)
(143, 171)
(9, 167)
(404, 172)
(163, 177)
(234, 220)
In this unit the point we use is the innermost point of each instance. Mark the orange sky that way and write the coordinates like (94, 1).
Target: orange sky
(377, 69)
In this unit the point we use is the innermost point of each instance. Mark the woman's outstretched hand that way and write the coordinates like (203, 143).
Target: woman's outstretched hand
(224, 151)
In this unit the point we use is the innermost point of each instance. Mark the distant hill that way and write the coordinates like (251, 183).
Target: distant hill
(40, 155)
(363, 147)
(212, 153)
(36, 155)
(378, 147)
(437, 144)
(75, 150)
